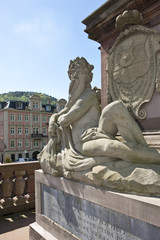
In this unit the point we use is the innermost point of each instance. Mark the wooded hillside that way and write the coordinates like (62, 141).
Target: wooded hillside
(24, 96)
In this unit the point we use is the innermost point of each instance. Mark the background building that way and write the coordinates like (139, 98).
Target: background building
(24, 128)
(61, 104)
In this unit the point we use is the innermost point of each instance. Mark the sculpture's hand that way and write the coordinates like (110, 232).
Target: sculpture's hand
(52, 130)
(62, 120)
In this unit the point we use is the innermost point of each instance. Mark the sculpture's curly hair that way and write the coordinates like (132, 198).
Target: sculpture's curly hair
(81, 64)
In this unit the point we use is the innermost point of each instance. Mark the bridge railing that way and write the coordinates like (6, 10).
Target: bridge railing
(17, 190)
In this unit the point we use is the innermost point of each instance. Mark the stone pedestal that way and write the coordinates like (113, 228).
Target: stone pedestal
(70, 210)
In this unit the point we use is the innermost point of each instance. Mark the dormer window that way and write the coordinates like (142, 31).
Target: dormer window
(48, 108)
(35, 105)
(19, 105)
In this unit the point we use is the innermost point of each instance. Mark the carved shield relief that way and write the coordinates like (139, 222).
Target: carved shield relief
(132, 68)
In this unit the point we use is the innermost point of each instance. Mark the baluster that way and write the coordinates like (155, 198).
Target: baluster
(1, 181)
(7, 187)
(19, 188)
(30, 185)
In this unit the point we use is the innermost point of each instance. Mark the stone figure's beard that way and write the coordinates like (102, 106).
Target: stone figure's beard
(75, 92)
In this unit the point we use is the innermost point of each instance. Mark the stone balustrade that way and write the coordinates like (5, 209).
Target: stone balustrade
(17, 191)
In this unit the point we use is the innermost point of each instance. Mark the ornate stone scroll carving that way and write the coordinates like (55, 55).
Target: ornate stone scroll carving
(133, 64)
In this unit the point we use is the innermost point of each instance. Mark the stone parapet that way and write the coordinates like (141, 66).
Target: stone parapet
(17, 190)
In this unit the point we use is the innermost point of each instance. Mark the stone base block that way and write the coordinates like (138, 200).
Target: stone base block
(70, 210)
(37, 232)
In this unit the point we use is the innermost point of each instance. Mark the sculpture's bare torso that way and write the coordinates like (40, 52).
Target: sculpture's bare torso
(83, 115)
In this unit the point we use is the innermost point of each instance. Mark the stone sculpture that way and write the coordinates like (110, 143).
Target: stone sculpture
(84, 146)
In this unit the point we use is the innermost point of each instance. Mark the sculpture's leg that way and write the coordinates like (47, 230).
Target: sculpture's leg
(115, 117)
(131, 152)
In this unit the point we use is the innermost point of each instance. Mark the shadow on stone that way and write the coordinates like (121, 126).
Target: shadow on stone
(12, 222)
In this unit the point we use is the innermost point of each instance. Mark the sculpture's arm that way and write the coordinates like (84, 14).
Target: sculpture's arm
(52, 129)
(82, 105)
(55, 116)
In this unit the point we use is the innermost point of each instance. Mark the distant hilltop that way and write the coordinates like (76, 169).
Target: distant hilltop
(24, 97)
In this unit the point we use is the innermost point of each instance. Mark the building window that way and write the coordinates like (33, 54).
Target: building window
(35, 130)
(35, 143)
(19, 105)
(61, 107)
(49, 118)
(27, 143)
(12, 144)
(35, 105)
(44, 131)
(44, 142)
(12, 117)
(26, 117)
(12, 131)
(19, 118)
(48, 108)
(35, 118)
(27, 155)
(13, 157)
(19, 143)
(26, 131)
(44, 119)
(19, 155)
(19, 131)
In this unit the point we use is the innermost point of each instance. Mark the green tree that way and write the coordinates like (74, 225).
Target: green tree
(7, 159)
(24, 97)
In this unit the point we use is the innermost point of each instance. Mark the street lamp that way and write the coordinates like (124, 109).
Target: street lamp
(25, 153)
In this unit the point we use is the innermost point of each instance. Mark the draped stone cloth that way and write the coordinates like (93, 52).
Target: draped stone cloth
(109, 172)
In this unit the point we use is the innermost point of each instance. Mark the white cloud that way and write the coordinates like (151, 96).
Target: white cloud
(39, 31)
(23, 28)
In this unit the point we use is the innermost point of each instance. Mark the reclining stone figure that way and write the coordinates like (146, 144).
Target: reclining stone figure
(82, 137)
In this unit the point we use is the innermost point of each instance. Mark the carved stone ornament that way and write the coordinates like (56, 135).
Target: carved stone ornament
(133, 64)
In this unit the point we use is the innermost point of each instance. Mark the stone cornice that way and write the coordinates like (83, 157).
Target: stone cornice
(101, 23)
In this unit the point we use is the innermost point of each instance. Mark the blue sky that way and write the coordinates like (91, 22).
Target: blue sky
(38, 38)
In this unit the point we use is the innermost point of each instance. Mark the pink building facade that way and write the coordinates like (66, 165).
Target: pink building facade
(24, 128)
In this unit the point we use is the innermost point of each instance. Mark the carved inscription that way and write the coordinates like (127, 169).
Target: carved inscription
(82, 218)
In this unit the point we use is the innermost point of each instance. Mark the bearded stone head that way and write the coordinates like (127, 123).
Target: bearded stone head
(80, 74)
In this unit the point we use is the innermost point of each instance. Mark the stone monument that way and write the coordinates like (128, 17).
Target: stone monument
(85, 158)
(83, 144)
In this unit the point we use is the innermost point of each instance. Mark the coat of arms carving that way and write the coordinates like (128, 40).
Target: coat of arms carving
(133, 64)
